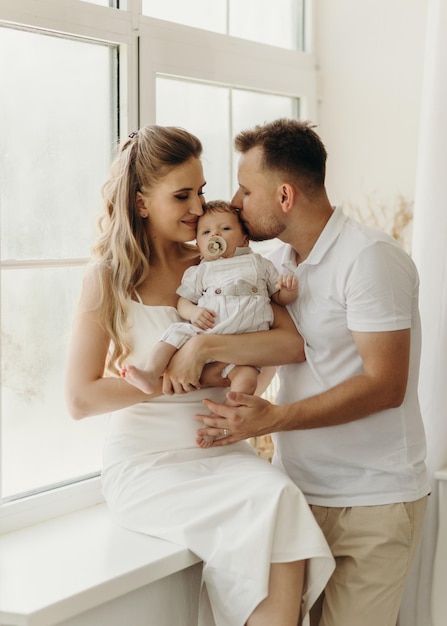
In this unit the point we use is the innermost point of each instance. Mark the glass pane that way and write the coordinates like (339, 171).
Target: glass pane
(195, 13)
(278, 23)
(252, 107)
(205, 111)
(59, 123)
(57, 132)
(41, 444)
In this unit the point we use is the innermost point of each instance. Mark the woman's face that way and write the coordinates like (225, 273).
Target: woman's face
(175, 203)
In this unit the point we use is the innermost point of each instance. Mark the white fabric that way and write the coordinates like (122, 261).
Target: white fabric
(230, 507)
(237, 289)
(430, 255)
(355, 279)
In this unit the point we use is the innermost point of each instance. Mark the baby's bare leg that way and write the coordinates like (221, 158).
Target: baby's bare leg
(243, 378)
(147, 379)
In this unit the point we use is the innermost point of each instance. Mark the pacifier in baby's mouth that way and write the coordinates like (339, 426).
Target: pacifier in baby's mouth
(216, 246)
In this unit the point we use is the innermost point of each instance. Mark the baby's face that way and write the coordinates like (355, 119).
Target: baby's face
(219, 224)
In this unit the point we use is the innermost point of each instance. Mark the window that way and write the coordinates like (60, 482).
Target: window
(216, 113)
(54, 149)
(278, 23)
(72, 82)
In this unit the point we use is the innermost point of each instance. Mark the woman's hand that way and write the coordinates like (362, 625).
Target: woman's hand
(279, 346)
(185, 368)
(212, 375)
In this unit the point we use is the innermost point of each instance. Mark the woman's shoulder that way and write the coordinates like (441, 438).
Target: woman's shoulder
(93, 276)
(92, 287)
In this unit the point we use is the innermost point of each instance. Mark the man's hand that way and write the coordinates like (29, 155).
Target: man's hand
(244, 416)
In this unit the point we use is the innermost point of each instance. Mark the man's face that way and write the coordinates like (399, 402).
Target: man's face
(258, 197)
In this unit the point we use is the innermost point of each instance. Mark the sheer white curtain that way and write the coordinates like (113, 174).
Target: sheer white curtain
(430, 255)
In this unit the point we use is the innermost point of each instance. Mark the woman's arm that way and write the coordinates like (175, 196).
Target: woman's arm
(87, 390)
(281, 345)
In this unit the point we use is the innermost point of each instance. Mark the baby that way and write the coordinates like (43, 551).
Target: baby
(229, 292)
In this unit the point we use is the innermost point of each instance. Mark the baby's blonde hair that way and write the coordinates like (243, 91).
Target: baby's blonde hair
(223, 206)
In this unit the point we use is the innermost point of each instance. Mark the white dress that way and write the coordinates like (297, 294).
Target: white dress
(227, 505)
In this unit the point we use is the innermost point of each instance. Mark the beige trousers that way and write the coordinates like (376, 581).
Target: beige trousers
(373, 547)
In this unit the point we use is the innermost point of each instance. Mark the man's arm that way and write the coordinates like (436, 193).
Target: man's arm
(280, 345)
(381, 386)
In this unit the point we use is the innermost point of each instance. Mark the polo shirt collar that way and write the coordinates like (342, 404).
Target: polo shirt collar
(324, 242)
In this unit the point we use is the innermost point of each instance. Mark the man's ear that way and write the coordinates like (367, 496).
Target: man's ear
(287, 197)
(141, 207)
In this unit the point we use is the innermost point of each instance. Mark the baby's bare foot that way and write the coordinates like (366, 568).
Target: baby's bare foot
(141, 379)
(205, 441)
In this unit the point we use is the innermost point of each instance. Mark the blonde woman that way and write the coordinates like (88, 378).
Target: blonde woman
(265, 559)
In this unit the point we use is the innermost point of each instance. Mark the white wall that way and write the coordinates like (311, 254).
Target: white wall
(370, 54)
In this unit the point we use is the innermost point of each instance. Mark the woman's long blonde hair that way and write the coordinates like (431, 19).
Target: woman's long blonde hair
(122, 251)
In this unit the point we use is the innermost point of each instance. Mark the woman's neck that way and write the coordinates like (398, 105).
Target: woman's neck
(162, 252)
(167, 263)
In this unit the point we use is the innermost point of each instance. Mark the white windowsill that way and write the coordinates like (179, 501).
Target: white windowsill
(65, 566)
(32, 510)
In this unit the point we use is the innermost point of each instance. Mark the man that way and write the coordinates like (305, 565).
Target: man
(347, 423)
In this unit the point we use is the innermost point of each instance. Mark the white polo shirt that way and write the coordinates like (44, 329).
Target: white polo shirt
(355, 279)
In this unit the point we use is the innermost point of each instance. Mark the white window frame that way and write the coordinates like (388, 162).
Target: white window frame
(149, 47)
(174, 50)
(102, 24)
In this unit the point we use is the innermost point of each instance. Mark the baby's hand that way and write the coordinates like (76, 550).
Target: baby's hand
(203, 318)
(289, 282)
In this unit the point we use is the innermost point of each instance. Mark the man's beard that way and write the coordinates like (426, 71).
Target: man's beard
(264, 232)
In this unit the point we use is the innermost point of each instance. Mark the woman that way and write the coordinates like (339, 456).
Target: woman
(246, 520)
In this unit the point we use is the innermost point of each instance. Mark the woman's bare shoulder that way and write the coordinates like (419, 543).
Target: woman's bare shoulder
(92, 285)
